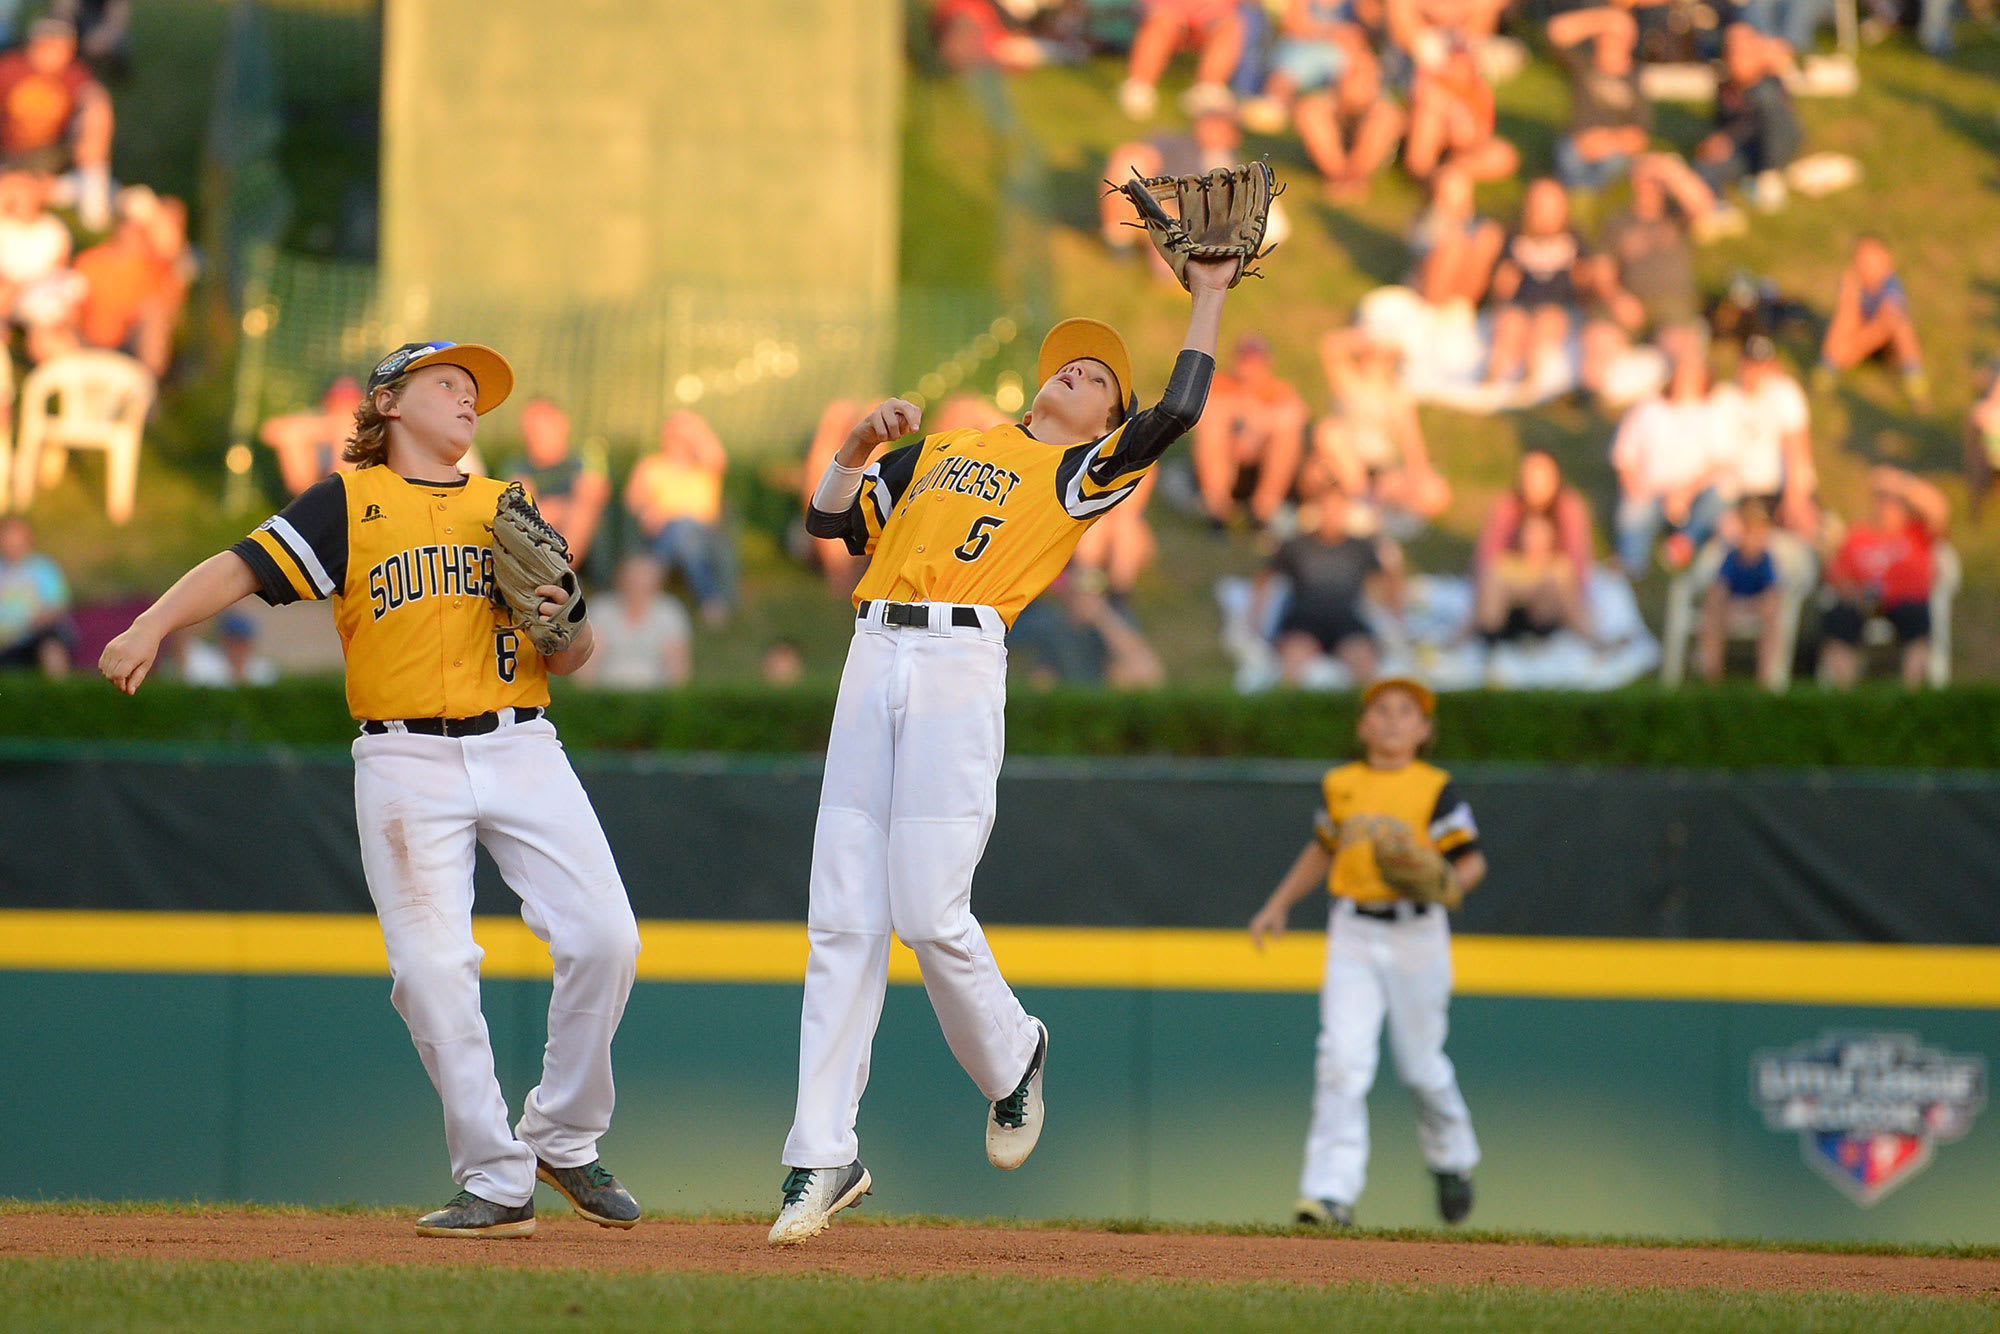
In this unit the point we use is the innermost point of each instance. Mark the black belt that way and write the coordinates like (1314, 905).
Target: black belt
(916, 615)
(477, 725)
(1387, 912)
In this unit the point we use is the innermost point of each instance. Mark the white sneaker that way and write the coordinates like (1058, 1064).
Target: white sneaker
(1202, 99)
(1768, 191)
(813, 1195)
(1138, 100)
(1014, 1124)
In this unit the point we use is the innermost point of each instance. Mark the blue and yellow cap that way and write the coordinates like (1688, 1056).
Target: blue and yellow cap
(490, 373)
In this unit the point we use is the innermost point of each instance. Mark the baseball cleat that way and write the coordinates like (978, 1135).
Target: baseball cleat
(592, 1192)
(813, 1195)
(470, 1216)
(1454, 1196)
(1322, 1213)
(1014, 1126)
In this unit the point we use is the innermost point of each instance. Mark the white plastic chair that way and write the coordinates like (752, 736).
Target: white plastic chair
(6, 431)
(1947, 573)
(89, 399)
(1798, 572)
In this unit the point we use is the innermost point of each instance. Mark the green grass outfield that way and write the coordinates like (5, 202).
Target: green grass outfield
(140, 1295)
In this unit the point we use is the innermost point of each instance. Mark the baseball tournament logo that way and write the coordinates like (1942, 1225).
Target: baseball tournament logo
(1869, 1108)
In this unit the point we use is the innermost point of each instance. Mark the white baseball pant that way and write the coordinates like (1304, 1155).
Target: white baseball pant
(904, 813)
(1400, 970)
(423, 803)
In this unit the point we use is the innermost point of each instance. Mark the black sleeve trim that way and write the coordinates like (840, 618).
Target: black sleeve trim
(821, 524)
(1462, 851)
(319, 515)
(273, 586)
(1137, 443)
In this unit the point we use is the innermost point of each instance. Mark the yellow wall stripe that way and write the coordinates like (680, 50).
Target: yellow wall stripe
(1166, 959)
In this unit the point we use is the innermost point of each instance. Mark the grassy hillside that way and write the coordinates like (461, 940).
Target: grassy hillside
(1925, 131)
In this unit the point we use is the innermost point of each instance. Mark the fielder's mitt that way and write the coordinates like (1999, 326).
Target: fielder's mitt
(528, 553)
(1217, 216)
(1405, 860)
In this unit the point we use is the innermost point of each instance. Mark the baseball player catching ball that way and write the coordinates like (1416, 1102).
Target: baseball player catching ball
(454, 750)
(966, 528)
(1397, 847)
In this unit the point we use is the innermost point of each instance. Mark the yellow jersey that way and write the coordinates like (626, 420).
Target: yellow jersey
(409, 566)
(1420, 795)
(990, 517)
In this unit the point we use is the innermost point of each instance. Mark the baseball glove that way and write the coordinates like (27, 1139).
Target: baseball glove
(1405, 860)
(528, 553)
(1217, 216)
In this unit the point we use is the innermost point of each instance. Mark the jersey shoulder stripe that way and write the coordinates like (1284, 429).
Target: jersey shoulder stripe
(300, 553)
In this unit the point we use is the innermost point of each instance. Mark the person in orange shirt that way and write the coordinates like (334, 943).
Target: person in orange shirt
(133, 284)
(1248, 444)
(676, 495)
(54, 115)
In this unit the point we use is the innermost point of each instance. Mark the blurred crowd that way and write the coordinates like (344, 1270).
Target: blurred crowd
(1315, 492)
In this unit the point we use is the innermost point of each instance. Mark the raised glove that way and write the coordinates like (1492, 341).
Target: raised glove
(1407, 862)
(527, 554)
(1220, 215)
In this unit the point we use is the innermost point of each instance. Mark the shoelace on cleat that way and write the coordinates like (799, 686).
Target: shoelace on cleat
(1012, 1110)
(595, 1174)
(465, 1199)
(797, 1182)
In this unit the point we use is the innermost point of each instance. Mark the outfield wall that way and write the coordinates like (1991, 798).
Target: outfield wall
(198, 1005)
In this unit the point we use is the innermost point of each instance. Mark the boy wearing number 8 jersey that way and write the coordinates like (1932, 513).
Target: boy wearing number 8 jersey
(454, 751)
(965, 529)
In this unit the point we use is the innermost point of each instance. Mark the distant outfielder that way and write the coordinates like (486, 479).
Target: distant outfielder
(966, 528)
(454, 751)
(1397, 847)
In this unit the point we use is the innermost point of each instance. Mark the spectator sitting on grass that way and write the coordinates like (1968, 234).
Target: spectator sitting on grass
(135, 283)
(309, 444)
(1982, 443)
(1885, 568)
(1756, 133)
(1532, 589)
(1117, 548)
(1329, 571)
(1539, 493)
(1610, 120)
(1767, 436)
(1452, 117)
(55, 115)
(1535, 287)
(1072, 635)
(38, 289)
(1371, 442)
(1250, 439)
(675, 493)
(1452, 248)
(1213, 27)
(841, 567)
(643, 637)
(570, 489)
(1871, 318)
(1666, 453)
(35, 629)
(231, 659)
(1325, 73)
(1745, 585)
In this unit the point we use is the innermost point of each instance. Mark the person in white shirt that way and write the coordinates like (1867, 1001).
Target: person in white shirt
(1668, 453)
(643, 642)
(231, 659)
(38, 289)
(1768, 428)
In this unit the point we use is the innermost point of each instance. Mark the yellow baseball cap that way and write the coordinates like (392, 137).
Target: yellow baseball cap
(1426, 698)
(1093, 339)
(490, 373)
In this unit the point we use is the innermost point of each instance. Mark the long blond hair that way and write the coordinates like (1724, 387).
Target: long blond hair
(368, 447)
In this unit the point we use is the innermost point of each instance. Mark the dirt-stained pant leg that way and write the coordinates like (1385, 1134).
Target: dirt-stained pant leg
(417, 814)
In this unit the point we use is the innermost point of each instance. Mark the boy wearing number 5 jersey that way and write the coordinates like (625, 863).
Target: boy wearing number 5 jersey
(454, 751)
(965, 528)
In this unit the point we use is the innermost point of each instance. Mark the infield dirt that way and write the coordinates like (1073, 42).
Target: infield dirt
(563, 1242)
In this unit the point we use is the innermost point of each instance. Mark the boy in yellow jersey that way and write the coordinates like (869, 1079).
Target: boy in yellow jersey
(966, 527)
(454, 751)
(1385, 957)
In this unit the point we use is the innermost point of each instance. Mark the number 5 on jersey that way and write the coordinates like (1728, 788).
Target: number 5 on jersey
(977, 538)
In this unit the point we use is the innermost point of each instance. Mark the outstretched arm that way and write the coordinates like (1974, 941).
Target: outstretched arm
(1307, 874)
(222, 580)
